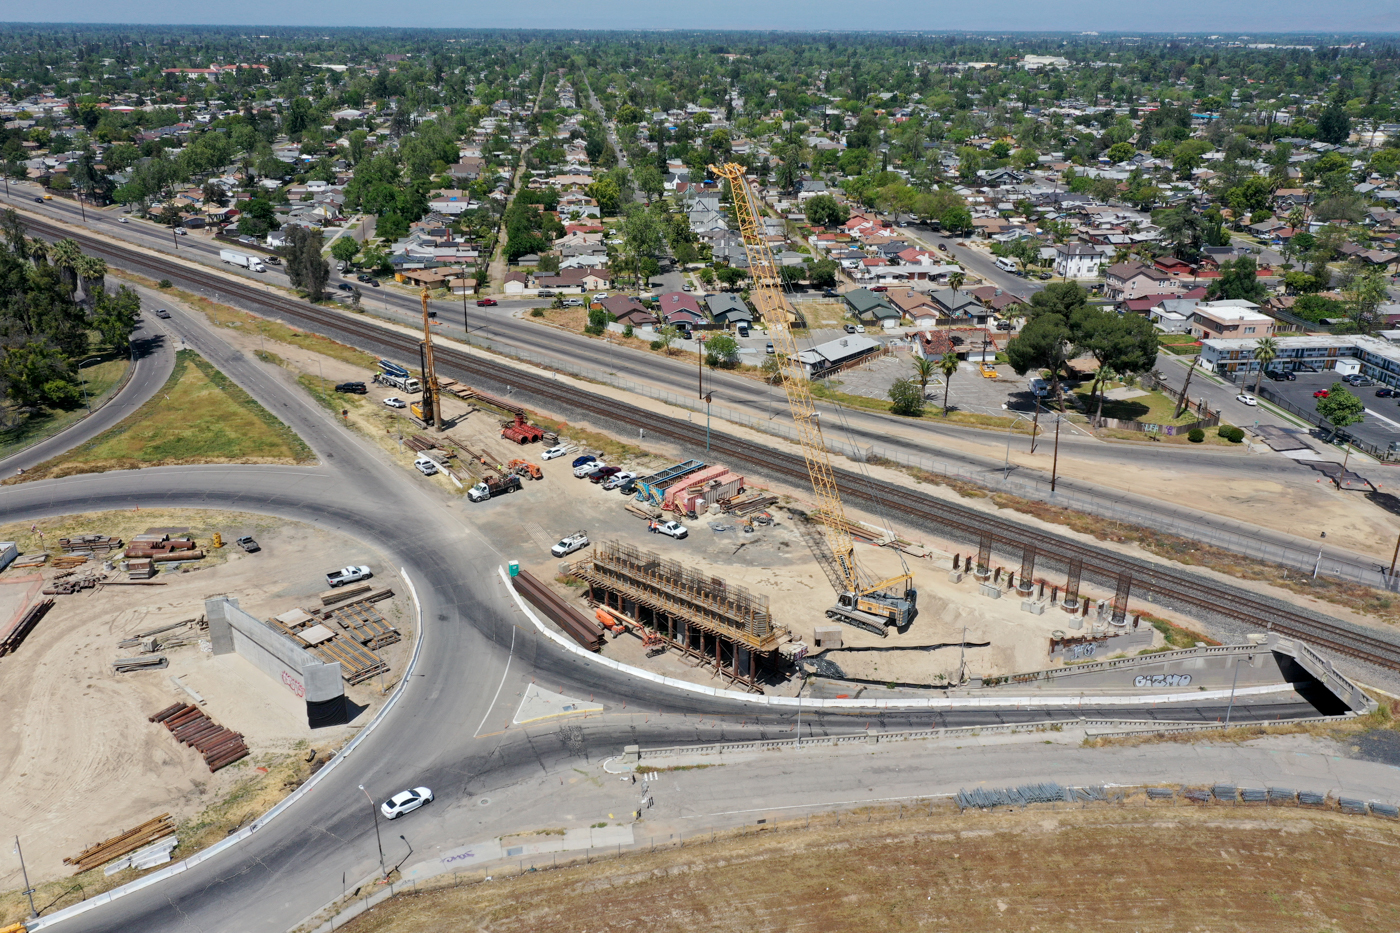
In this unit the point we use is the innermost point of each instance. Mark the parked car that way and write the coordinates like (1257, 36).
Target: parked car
(356, 388)
(743, 328)
(601, 296)
(671, 529)
(1363, 382)
(849, 328)
(546, 293)
(1306, 368)
(345, 286)
(618, 479)
(1280, 375)
(1320, 393)
(394, 401)
(248, 544)
(860, 328)
(580, 461)
(879, 288)
(346, 575)
(573, 302)
(574, 542)
(486, 302)
(406, 802)
(1385, 392)
(425, 465)
(687, 287)
(1003, 325)
(1044, 276)
(553, 452)
(628, 487)
(1247, 399)
(602, 472)
(581, 471)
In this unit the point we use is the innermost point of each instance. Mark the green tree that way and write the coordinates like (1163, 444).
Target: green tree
(822, 273)
(924, 368)
(115, 316)
(1334, 126)
(1265, 352)
(721, 350)
(906, 399)
(1120, 152)
(1102, 377)
(1119, 343)
(1239, 280)
(666, 335)
(823, 210)
(956, 219)
(1184, 229)
(307, 269)
(1364, 295)
(1341, 409)
(1043, 343)
(345, 249)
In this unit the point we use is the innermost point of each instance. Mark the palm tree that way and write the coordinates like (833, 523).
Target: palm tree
(39, 251)
(924, 369)
(92, 272)
(1265, 351)
(65, 255)
(955, 282)
(1103, 377)
(947, 364)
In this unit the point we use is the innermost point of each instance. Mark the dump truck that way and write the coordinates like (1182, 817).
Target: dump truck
(521, 431)
(235, 258)
(493, 486)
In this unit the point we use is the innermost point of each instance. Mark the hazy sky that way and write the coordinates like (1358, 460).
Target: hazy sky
(1207, 16)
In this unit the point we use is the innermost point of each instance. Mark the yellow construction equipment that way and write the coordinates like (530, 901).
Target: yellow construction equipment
(865, 602)
(218, 540)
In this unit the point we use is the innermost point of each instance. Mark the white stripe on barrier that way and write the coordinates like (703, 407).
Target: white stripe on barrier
(132, 887)
(910, 703)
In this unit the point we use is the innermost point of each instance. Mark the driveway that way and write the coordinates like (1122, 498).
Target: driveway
(1382, 424)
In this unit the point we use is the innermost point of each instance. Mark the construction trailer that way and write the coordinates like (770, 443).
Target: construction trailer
(652, 489)
(725, 627)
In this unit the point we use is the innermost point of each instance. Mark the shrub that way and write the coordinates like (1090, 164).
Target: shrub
(163, 283)
(537, 312)
(627, 331)
(1231, 433)
(907, 398)
(658, 344)
(1196, 436)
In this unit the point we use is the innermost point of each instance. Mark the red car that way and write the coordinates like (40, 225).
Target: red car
(486, 302)
(879, 288)
(1320, 393)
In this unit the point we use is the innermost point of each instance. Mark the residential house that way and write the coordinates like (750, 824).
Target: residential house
(837, 354)
(728, 310)
(515, 283)
(869, 306)
(1078, 260)
(451, 202)
(681, 309)
(914, 305)
(469, 169)
(1134, 279)
(1230, 319)
(627, 309)
(958, 307)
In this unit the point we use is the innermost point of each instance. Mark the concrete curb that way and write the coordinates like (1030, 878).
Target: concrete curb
(185, 864)
(911, 703)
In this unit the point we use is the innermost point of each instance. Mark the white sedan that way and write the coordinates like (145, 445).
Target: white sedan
(553, 452)
(394, 402)
(1248, 399)
(406, 802)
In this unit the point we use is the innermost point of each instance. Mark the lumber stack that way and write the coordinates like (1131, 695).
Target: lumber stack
(11, 640)
(345, 593)
(220, 747)
(122, 844)
(69, 561)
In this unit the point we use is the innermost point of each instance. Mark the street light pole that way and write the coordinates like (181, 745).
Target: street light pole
(28, 888)
(1055, 464)
(86, 400)
(375, 810)
(466, 321)
(1231, 708)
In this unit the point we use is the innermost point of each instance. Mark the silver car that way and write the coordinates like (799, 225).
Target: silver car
(406, 802)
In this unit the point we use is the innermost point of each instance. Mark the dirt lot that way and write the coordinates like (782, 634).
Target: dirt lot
(78, 731)
(1147, 868)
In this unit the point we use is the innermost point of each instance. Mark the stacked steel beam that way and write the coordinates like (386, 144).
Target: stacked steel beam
(219, 746)
(574, 623)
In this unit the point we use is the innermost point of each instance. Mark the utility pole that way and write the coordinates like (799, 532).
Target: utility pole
(466, 321)
(432, 398)
(1055, 464)
(28, 888)
(1181, 399)
(375, 810)
(700, 367)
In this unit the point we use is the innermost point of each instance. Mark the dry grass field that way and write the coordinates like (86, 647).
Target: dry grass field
(1130, 867)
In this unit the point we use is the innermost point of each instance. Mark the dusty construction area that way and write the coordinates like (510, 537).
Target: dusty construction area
(80, 762)
(1169, 868)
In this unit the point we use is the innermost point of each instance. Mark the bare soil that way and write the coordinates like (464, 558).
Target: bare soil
(79, 761)
(1142, 868)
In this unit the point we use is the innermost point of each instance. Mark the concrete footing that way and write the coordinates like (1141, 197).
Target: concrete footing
(955, 576)
(989, 591)
(1033, 607)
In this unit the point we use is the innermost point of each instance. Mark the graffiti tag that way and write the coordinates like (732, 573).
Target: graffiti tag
(1162, 680)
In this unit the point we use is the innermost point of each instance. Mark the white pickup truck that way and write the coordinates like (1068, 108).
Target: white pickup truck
(348, 575)
(671, 529)
(574, 542)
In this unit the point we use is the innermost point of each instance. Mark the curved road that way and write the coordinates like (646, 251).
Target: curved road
(478, 654)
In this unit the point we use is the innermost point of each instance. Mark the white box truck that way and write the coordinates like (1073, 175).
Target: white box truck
(251, 263)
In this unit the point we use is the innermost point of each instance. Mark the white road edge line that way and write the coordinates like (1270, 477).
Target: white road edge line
(504, 675)
(185, 864)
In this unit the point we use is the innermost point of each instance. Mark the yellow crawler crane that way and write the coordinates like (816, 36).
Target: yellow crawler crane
(864, 601)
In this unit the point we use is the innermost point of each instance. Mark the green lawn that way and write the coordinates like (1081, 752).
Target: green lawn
(1179, 344)
(102, 378)
(1152, 408)
(198, 416)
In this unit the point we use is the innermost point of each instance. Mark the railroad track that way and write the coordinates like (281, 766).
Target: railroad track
(947, 518)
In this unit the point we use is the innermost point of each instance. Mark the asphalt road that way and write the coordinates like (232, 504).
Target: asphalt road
(154, 359)
(478, 654)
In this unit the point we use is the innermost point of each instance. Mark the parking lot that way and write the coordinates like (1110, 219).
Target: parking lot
(1382, 424)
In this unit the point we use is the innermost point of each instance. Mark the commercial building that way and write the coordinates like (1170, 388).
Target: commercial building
(1231, 318)
(1370, 356)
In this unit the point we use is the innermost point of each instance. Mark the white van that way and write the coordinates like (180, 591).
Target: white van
(1006, 264)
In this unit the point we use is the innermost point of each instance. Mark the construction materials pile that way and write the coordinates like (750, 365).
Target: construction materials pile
(356, 592)
(122, 844)
(164, 638)
(520, 431)
(69, 561)
(140, 568)
(74, 584)
(220, 747)
(12, 639)
(90, 545)
(745, 506)
(150, 662)
(467, 393)
(575, 624)
(30, 560)
(363, 623)
(162, 547)
(363, 628)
